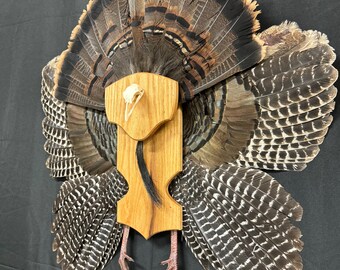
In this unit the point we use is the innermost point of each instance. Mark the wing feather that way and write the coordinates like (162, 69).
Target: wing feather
(81, 142)
(243, 218)
(272, 116)
(85, 221)
(62, 160)
(294, 95)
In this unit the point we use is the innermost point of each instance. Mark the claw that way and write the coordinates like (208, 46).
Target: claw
(124, 258)
(123, 261)
(172, 261)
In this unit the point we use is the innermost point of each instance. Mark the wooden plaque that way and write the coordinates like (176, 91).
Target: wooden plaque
(157, 121)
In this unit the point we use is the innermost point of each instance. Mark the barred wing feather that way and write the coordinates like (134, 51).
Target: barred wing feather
(294, 94)
(273, 116)
(86, 232)
(238, 218)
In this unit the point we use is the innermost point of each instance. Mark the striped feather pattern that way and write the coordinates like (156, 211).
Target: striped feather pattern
(219, 123)
(198, 43)
(237, 218)
(87, 233)
(103, 133)
(62, 160)
(87, 141)
(273, 115)
(294, 95)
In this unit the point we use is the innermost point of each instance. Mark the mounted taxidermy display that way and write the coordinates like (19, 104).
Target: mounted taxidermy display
(160, 115)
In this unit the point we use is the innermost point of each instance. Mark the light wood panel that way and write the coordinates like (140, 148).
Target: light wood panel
(158, 105)
(163, 138)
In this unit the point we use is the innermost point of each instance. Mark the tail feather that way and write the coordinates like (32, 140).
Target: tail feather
(178, 39)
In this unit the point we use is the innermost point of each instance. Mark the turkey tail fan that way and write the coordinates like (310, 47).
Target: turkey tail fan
(86, 232)
(238, 218)
(197, 43)
(236, 46)
(294, 94)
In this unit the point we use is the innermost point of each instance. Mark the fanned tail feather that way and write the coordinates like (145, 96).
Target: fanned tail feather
(187, 41)
(219, 123)
(272, 116)
(79, 141)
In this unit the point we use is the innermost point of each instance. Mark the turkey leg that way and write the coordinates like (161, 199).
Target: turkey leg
(172, 261)
(124, 258)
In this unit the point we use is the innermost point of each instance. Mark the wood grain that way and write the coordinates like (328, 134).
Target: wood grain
(162, 133)
(158, 105)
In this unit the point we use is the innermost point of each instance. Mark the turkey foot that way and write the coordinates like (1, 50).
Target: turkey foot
(124, 258)
(172, 261)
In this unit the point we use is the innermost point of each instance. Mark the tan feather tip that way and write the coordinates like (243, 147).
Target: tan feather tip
(251, 5)
(90, 5)
(334, 74)
(55, 244)
(329, 52)
(298, 244)
(60, 255)
(83, 15)
(262, 45)
(314, 151)
(333, 91)
(58, 66)
(294, 233)
(297, 212)
(74, 34)
(54, 227)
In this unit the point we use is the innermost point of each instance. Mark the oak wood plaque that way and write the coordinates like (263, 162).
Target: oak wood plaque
(157, 121)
